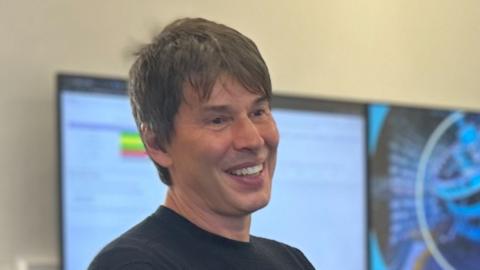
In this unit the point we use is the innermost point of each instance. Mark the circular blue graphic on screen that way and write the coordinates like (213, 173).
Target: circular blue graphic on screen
(449, 176)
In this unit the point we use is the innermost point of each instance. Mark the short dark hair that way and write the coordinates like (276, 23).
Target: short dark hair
(190, 52)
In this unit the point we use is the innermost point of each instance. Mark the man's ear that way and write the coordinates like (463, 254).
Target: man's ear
(156, 151)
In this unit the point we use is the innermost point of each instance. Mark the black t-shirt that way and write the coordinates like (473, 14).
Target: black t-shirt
(166, 240)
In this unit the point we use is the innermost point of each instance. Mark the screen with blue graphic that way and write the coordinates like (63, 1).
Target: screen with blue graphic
(108, 183)
(424, 189)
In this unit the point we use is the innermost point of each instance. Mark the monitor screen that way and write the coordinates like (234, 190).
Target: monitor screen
(108, 184)
(424, 188)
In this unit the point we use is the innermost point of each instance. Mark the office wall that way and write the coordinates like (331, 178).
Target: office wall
(407, 51)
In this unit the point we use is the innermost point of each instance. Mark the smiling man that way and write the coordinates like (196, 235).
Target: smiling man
(200, 94)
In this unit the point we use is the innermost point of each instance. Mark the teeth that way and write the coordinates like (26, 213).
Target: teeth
(254, 170)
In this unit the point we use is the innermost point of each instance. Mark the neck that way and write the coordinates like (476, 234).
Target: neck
(231, 227)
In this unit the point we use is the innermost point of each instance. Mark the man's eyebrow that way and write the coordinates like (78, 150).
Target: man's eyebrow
(227, 108)
(262, 99)
(216, 108)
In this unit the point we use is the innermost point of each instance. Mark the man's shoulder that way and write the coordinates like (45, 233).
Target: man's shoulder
(142, 247)
(118, 257)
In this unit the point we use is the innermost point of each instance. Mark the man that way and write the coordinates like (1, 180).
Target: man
(200, 94)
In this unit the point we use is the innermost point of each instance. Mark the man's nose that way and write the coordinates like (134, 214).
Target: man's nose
(246, 135)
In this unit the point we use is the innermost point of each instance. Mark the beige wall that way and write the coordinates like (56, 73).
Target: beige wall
(409, 51)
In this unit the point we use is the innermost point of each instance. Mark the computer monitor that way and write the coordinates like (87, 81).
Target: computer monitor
(108, 184)
(424, 188)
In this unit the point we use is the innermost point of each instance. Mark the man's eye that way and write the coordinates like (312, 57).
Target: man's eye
(259, 112)
(218, 120)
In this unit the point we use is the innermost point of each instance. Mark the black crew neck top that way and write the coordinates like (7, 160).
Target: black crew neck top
(166, 240)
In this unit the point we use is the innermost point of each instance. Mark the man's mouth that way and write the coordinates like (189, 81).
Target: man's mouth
(247, 171)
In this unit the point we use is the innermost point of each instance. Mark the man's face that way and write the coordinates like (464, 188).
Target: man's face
(223, 151)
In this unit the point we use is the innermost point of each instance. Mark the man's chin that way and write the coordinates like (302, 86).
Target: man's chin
(257, 205)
